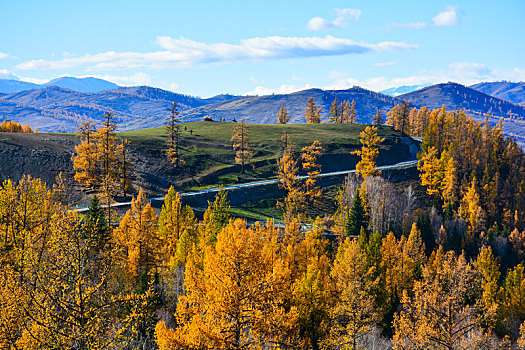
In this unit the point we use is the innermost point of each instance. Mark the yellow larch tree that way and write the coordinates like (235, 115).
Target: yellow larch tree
(85, 160)
(231, 303)
(137, 239)
(440, 315)
(307, 275)
(393, 273)
(312, 114)
(345, 111)
(100, 162)
(430, 169)
(378, 118)
(13, 301)
(398, 117)
(282, 115)
(335, 112)
(287, 171)
(175, 219)
(177, 236)
(125, 170)
(352, 113)
(241, 144)
(216, 216)
(514, 294)
(108, 158)
(470, 209)
(353, 315)
(450, 180)
(488, 268)
(310, 163)
(369, 151)
(58, 296)
(174, 135)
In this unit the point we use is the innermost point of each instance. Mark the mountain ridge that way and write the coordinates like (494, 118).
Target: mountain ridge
(54, 109)
(88, 84)
(506, 90)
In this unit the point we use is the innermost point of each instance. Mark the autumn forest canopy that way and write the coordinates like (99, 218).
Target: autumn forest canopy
(432, 262)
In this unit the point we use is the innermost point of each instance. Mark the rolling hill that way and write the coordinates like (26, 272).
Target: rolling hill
(53, 109)
(477, 103)
(455, 96)
(77, 84)
(506, 90)
(82, 84)
(58, 109)
(8, 86)
(263, 109)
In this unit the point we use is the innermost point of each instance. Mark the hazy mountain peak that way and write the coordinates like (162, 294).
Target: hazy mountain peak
(82, 84)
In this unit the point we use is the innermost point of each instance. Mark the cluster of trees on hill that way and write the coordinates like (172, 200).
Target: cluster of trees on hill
(102, 162)
(11, 126)
(444, 271)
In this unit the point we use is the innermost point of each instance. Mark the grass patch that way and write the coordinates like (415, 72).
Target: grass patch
(210, 160)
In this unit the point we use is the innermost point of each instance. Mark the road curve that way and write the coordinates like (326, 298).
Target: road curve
(401, 165)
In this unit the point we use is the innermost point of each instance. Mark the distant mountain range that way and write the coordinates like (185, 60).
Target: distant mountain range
(76, 84)
(57, 109)
(506, 90)
(53, 108)
(8, 86)
(458, 96)
(263, 109)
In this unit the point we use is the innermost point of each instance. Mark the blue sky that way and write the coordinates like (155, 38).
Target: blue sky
(246, 47)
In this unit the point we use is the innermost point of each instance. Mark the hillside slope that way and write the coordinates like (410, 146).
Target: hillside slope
(8, 86)
(476, 103)
(506, 90)
(82, 84)
(56, 109)
(263, 109)
(206, 150)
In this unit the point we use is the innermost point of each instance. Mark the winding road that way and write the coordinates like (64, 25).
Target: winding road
(401, 165)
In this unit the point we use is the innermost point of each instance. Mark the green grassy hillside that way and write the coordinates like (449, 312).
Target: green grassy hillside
(209, 158)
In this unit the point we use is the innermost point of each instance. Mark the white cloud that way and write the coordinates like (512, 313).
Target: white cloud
(5, 74)
(448, 17)
(182, 52)
(318, 23)
(409, 25)
(471, 70)
(340, 21)
(133, 80)
(379, 83)
(3, 55)
(344, 15)
(518, 74)
(34, 80)
(174, 86)
(384, 64)
(466, 73)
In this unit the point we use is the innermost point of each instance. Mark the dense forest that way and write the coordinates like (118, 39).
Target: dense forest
(388, 269)
(11, 126)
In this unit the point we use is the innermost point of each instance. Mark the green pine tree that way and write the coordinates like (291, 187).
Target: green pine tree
(357, 217)
(217, 215)
(96, 227)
